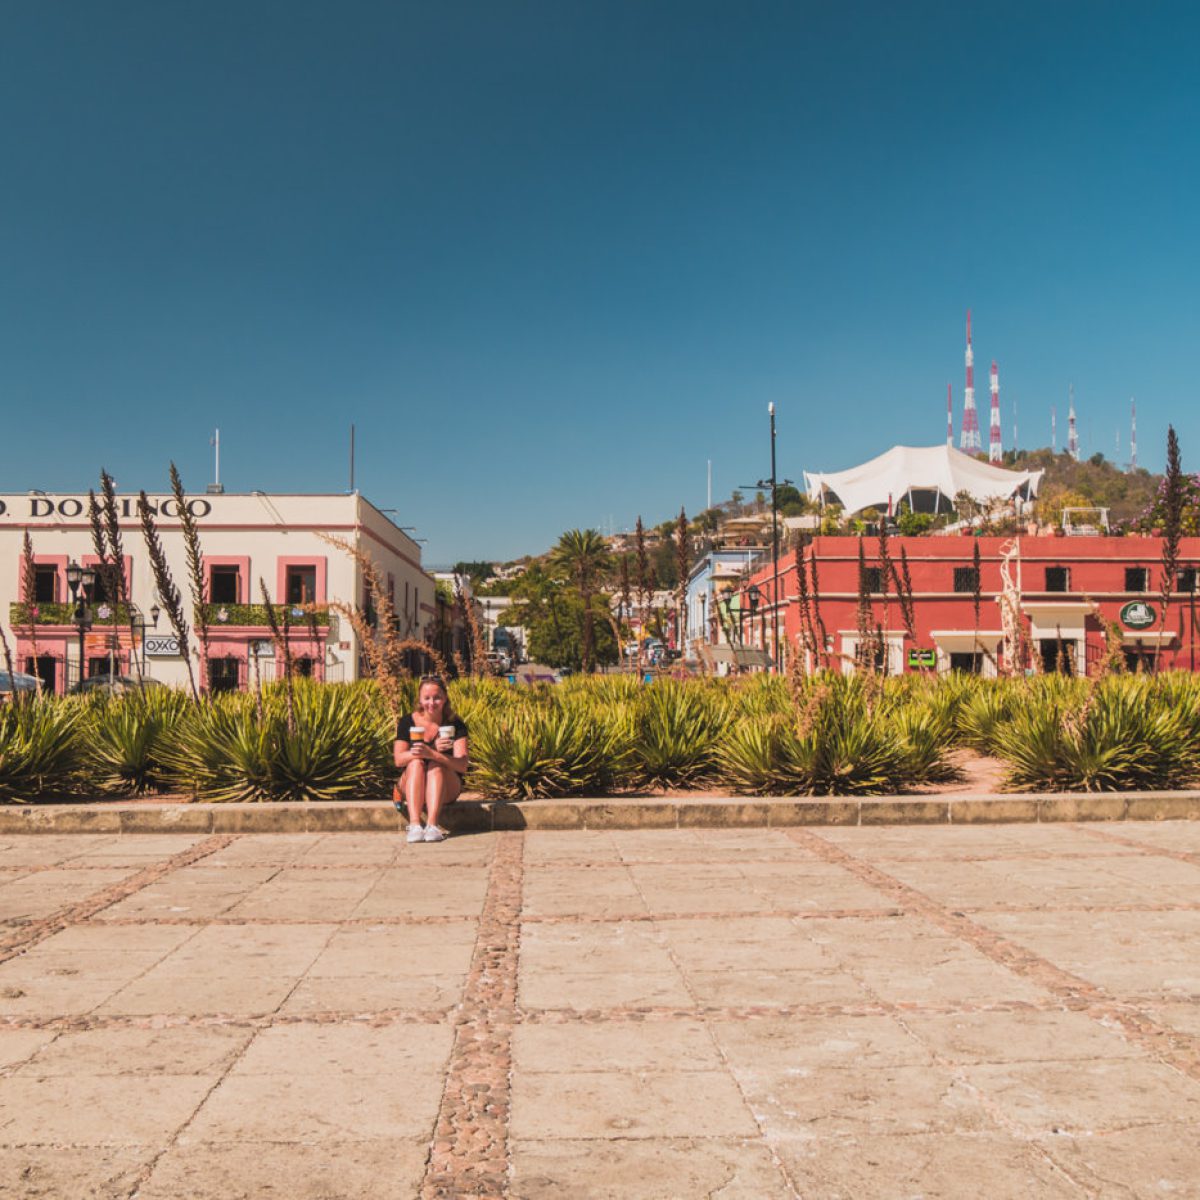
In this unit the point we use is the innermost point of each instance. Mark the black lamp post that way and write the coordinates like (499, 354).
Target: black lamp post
(753, 596)
(774, 483)
(138, 620)
(81, 581)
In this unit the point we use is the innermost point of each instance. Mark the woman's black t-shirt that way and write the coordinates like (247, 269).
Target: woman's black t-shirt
(404, 728)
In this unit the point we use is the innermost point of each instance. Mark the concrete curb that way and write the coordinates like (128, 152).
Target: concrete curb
(474, 816)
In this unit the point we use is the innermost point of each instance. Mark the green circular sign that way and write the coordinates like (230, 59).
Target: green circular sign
(1138, 614)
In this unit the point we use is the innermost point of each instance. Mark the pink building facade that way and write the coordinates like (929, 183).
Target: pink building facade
(1075, 600)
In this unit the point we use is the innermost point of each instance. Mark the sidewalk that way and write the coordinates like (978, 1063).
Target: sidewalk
(684, 811)
(946, 1011)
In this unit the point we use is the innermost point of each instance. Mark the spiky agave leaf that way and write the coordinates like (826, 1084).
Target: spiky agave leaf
(126, 738)
(677, 735)
(39, 749)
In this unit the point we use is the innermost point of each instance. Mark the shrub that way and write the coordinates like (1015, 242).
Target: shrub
(39, 749)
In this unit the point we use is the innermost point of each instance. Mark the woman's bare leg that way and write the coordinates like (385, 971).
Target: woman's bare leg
(441, 788)
(414, 791)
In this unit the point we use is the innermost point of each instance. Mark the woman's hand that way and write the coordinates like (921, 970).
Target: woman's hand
(445, 745)
(420, 751)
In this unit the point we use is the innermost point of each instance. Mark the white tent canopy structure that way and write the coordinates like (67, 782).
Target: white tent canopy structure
(929, 477)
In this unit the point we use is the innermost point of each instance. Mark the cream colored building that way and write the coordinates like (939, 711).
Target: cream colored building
(245, 539)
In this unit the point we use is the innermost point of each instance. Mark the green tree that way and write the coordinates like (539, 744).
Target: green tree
(556, 633)
(583, 555)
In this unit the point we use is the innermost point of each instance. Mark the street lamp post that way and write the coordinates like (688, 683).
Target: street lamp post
(753, 596)
(137, 620)
(81, 580)
(774, 483)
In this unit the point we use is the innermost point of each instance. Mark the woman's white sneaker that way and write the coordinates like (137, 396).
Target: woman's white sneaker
(434, 834)
(416, 834)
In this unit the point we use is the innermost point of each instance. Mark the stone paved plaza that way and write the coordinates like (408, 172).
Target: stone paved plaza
(999, 1011)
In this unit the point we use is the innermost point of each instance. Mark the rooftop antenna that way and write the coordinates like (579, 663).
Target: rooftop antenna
(995, 448)
(215, 488)
(969, 439)
(352, 457)
(1072, 431)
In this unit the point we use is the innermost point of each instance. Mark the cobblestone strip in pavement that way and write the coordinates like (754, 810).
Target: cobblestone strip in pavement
(71, 914)
(1169, 1046)
(469, 1158)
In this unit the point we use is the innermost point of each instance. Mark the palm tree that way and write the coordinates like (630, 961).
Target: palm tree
(583, 554)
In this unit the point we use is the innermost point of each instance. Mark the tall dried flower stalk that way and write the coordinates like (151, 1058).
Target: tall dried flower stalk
(112, 529)
(864, 657)
(382, 646)
(29, 586)
(479, 659)
(904, 594)
(641, 585)
(108, 569)
(683, 562)
(822, 632)
(1173, 488)
(195, 563)
(283, 651)
(886, 571)
(164, 584)
(8, 664)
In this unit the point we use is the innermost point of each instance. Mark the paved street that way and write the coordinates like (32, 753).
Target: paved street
(998, 1011)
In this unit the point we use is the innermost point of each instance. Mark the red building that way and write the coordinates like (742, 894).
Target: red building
(1063, 596)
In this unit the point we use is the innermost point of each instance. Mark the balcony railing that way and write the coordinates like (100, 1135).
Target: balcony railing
(233, 615)
(218, 615)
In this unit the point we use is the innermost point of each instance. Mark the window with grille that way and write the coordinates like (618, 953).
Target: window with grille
(1058, 579)
(1185, 581)
(966, 579)
(1137, 579)
(872, 579)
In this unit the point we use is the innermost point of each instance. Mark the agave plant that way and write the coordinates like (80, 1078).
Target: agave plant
(1121, 736)
(339, 746)
(125, 738)
(39, 749)
(534, 752)
(676, 741)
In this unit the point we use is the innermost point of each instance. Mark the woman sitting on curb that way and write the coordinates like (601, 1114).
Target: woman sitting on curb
(431, 753)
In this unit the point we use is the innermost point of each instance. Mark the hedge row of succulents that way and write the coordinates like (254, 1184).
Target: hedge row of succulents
(828, 735)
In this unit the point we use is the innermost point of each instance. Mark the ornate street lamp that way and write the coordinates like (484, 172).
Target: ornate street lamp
(753, 598)
(81, 581)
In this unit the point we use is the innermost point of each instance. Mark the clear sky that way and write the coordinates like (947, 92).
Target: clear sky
(551, 258)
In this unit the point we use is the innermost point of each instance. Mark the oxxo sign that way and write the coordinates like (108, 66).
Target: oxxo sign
(162, 647)
(77, 506)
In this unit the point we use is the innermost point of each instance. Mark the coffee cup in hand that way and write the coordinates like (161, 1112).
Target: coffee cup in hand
(446, 731)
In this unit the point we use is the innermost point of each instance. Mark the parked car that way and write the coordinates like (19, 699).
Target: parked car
(115, 685)
(17, 682)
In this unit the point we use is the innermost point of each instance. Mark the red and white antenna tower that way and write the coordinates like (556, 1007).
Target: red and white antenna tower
(1132, 434)
(995, 449)
(949, 418)
(969, 439)
(1072, 431)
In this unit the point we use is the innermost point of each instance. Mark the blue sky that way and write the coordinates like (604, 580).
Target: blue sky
(552, 258)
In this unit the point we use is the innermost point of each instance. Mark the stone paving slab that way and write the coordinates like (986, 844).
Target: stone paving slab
(744, 1012)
